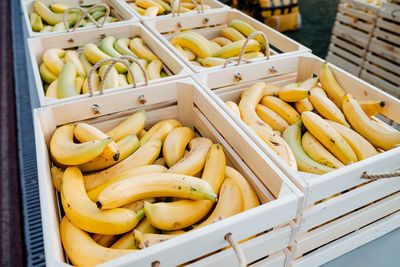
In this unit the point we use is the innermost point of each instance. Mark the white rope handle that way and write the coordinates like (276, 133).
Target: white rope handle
(85, 13)
(380, 176)
(238, 251)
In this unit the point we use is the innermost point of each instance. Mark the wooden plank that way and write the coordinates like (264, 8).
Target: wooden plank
(349, 242)
(342, 63)
(387, 36)
(274, 260)
(355, 12)
(387, 12)
(347, 224)
(358, 37)
(355, 23)
(388, 76)
(345, 54)
(385, 50)
(383, 63)
(387, 25)
(347, 45)
(380, 83)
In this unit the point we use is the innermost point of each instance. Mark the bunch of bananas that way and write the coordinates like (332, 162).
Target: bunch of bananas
(153, 8)
(50, 19)
(64, 72)
(339, 130)
(131, 197)
(209, 53)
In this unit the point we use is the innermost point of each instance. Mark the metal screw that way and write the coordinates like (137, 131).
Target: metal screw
(102, 35)
(95, 108)
(206, 20)
(238, 76)
(80, 2)
(142, 100)
(179, 24)
(155, 264)
(272, 69)
(71, 40)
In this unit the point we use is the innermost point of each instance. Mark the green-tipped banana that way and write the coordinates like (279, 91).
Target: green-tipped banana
(139, 48)
(94, 55)
(112, 79)
(98, 14)
(122, 47)
(85, 63)
(193, 43)
(73, 56)
(292, 136)
(233, 49)
(58, 7)
(47, 28)
(154, 69)
(95, 83)
(107, 46)
(36, 22)
(137, 72)
(96, 9)
(61, 27)
(166, 7)
(109, 20)
(46, 74)
(52, 18)
(66, 81)
(211, 61)
(246, 29)
(52, 59)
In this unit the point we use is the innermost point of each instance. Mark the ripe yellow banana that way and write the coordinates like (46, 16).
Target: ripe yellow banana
(359, 144)
(246, 29)
(175, 144)
(82, 250)
(194, 42)
(145, 155)
(150, 3)
(326, 107)
(148, 240)
(271, 90)
(79, 83)
(378, 136)
(292, 136)
(58, 7)
(283, 109)
(249, 197)
(154, 185)
(318, 152)
(128, 241)
(94, 193)
(229, 202)
(309, 83)
(211, 61)
(329, 137)
(36, 22)
(46, 74)
(140, 10)
(222, 41)
(371, 107)
(138, 205)
(271, 118)
(293, 92)
(122, 80)
(248, 102)
(161, 162)
(303, 105)
(51, 91)
(154, 69)
(126, 147)
(232, 34)
(141, 133)
(234, 107)
(104, 240)
(121, 45)
(95, 83)
(56, 177)
(194, 161)
(112, 79)
(139, 48)
(252, 55)
(52, 58)
(277, 144)
(93, 54)
(332, 88)
(132, 125)
(52, 18)
(85, 214)
(73, 56)
(85, 132)
(65, 151)
(137, 73)
(160, 130)
(234, 48)
(85, 63)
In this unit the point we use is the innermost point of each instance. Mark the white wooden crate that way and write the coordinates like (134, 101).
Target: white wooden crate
(210, 25)
(327, 215)
(38, 45)
(117, 8)
(271, 222)
(214, 4)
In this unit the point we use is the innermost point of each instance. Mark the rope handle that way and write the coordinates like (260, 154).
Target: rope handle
(180, 4)
(380, 176)
(121, 59)
(394, 11)
(86, 13)
(238, 251)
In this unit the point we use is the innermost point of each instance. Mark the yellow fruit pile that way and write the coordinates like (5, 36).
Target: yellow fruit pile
(50, 19)
(64, 72)
(339, 130)
(153, 8)
(209, 53)
(120, 194)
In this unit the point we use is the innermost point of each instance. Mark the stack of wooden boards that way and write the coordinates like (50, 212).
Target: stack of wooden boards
(365, 42)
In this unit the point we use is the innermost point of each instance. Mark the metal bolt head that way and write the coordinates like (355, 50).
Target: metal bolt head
(70, 40)
(272, 69)
(142, 100)
(238, 76)
(206, 20)
(102, 35)
(95, 108)
(179, 24)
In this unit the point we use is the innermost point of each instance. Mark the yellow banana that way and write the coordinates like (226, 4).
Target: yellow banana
(65, 151)
(85, 63)
(211, 61)
(93, 54)
(79, 83)
(95, 83)
(139, 48)
(153, 69)
(154, 185)
(132, 125)
(150, 3)
(138, 205)
(376, 135)
(82, 250)
(309, 83)
(180, 49)
(73, 56)
(52, 59)
(94, 193)
(234, 107)
(112, 79)
(46, 74)
(329, 137)
(140, 10)
(326, 107)
(137, 73)
(371, 107)
(58, 7)
(229, 202)
(52, 18)
(126, 147)
(249, 197)
(189, 54)
(277, 144)
(160, 131)
(248, 102)
(196, 63)
(359, 144)
(141, 133)
(56, 177)
(121, 45)
(161, 162)
(232, 34)
(234, 48)
(175, 144)
(194, 161)
(246, 29)
(252, 55)
(104, 240)
(148, 240)
(222, 41)
(303, 105)
(145, 155)
(85, 132)
(36, 22)
(52, 90)
(332, 88)
(194, 42)
(85, 214)
(122, 80)
(318, 152)
(214, 47)
(271, 118)
(292, 93)
(283, 109)
(128, 241)
(292, 136)
(271, 90)
(47, 28)
(66, 81)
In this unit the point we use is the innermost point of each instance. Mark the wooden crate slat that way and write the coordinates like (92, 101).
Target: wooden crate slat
(344, 64)
(383, 63)
(381, 72)
(273, 260)
(355, 12)
(380, 83)
(385, 50)
(347, 45)
(345, 54)
(350, 34)
(354, 23)
(387, 12)
(385, 24)
(387, 36)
